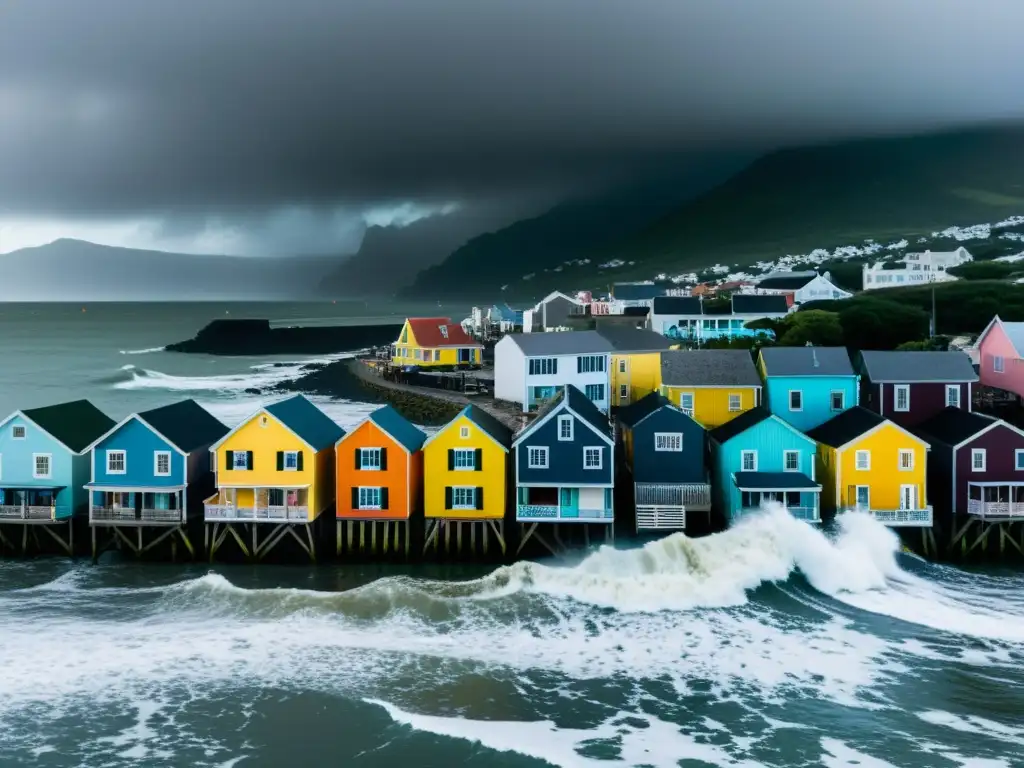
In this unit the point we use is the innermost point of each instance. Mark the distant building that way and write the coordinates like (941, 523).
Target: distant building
(634, 295)
(918, 269)
(690, 317)
(554, 311)
(802, 286)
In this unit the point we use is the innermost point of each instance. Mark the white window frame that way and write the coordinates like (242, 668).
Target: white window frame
(623, 392)
(743, 461)
(842, 400)
(671, 442)
(983, 455)
(124, 462)
(867, 461)
(562, 421)
(622, 365)
(468, 456)
(600, 457)
(214, 463)
(368, 490)
(998, 364)
(896, 398)
(464, 432)
(244, 466)
(467, 492)
(14, 432)
(369, 466)
(538, 452)
(785, 461)
(1017, 455)
(800, 396)
(157, 455)
(35, 466)
(905, 452)
(856, 496)
(739, 402)
(951, 388)
(284, 461)
(688, 410)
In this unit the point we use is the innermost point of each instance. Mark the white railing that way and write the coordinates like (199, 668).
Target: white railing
(896, 518)
(809, 514)
(660, 519)
(695, 496)
(145, 515)
(557, 513)
(230, 513)
(31, 512)
(997, 509)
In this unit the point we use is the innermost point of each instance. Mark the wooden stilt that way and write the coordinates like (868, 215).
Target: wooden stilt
(490, 522)
(398, 527)
(405, 527)
(472, 537)
(67, 546)
(387, 536)
(94, 554)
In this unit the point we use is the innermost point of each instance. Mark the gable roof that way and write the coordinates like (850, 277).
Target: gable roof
(806, 361)
(307, 421)
(634, 413)
(749, 304)
(740, 424)
(487, 423)
(636, 291)
(572, 399)
(786, 281)
(185, 424)
(401, 430)
(677, 305)
(75, 424)
(561, 343)
(557, 295)
(1014, 332)
(709, 368)
(917, 367)
(846, 426)
(624, 339)
(428, 332)
(954, 426)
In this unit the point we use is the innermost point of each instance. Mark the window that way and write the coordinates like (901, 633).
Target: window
(1018, 459)
(622, 365)
(543, 366)
(838, 400)
(240, 460)
(18, 432)
(902, 397)
(953, 395)
(592, 458)
(590, 364)
(464, 433)
(291, 461)
(997, 363)
(537, 458)
(565, 428)
(796, 400)
(369, 458)
(116, 462)
(978, 460)
(444, 330)
(595, 392)
(863, 459)
(463, 498)
(748, 461)
(734, 403)
(791, 461)
(213, 461)
(161, 463)
(464, 459)
(863, 498)
(41, 465)
(686, 403)
(906, 460)
(369, 498)
(668, 441)
(623, 392)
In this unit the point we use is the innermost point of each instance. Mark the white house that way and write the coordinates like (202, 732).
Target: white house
(802, 286)
(691, 318)
(917, 269)
(634, 295)
(553, 311)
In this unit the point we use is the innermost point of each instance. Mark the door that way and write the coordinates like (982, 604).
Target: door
(908, 497)
(863, 497)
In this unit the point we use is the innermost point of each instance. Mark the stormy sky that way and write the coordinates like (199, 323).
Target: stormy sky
(280, 126)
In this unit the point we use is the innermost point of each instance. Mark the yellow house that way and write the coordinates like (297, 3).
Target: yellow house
(713, 386)
(277, 466)
(867, 462)
(635, 362)
(433, 342)
(465, 470)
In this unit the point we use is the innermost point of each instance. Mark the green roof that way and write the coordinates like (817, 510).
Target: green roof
(186, 424)
(401, 429)
(76, 424)
(307, 421)
(488, 424)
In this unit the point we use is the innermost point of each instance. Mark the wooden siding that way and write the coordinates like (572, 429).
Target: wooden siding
(140, 445)
(66, 469)
(926, 400)
(816, 396)
(1000, 445)
(448, 356)
(996, 344)
(651, 466)
(491, 477)
(402, 477)
(642, 376)
(883, 476)
(565, 457)
(711, 404)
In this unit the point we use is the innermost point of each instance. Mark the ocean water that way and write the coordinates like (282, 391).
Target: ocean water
(770, 644)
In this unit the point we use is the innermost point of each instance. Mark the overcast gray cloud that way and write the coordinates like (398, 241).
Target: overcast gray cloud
(192, 109)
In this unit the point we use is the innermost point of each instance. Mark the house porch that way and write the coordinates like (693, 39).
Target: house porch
(242, 513)
(138, 518)
(799, 494)
(663, 506)
(34, 507)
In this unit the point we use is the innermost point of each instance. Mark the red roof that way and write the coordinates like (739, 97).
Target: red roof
(428, 332)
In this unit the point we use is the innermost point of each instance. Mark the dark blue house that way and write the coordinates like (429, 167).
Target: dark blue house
(666, 453)
(564, 464)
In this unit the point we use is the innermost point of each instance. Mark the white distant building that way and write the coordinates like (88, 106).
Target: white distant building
(802, 286)
(917, 269)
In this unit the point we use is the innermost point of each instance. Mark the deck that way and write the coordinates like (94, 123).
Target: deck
(131, 517)
(227, 513)
(25, 514)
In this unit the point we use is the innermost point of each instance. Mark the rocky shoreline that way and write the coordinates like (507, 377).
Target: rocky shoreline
(257, 337)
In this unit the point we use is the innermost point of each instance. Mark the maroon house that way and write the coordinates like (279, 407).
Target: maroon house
(975, 466)
(911, 387)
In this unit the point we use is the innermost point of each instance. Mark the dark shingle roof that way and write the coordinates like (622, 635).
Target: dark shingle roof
(396, 425)
(953, 425)
(786, 281)
(488, 424)
(750, 304)
(917, 367)
(307, 421)
(586, 410)
(76, 424)
(641, 311)
(636, 291)
(775, 481)
(846, 426)
(739, 424)
(708, 367)
(634, 413)
(677, 305)
(561, 343)
(806, 361)
(186, 424)
(633, 339)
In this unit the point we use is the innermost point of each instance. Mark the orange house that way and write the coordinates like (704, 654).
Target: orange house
(380, 469)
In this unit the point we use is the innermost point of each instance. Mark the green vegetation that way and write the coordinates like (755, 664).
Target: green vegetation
(986, 270)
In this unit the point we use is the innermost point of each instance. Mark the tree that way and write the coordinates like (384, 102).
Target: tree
(817, 327)
(882, 324)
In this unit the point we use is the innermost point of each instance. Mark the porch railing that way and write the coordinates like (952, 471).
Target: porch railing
(995, 509)
(901, 518)
(33, 512)
(660, 519)
(808, 514)
(557, 513)
(694, 496)
(230, 513)
(146, 515)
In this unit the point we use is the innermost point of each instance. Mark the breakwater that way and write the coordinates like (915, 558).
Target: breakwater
(258, 337)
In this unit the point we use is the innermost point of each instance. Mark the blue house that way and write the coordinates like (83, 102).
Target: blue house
(758, 458)
(152, 471)
(44, 464)
(666, 452)
(564, 465)
(807, 386)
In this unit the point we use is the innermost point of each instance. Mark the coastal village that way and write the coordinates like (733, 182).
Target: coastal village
(574, 421)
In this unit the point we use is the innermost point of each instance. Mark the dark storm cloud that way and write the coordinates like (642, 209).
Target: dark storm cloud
(109, 107)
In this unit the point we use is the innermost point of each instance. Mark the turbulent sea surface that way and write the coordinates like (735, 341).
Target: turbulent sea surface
(771, 644)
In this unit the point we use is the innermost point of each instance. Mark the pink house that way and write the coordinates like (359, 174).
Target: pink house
(1000, 362)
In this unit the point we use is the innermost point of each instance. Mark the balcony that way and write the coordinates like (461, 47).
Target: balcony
(11, 512)
(900, 518)
(557, 514)
(684, 496)
(129, 516)
(996, 510)
(228, 513)
(807, 514)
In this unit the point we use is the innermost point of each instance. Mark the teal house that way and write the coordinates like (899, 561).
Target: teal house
(757, 458)
(807, 386)
(44, 460)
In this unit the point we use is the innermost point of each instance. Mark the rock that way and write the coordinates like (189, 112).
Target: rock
(256, 337)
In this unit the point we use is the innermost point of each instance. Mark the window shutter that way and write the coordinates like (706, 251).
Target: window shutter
(479, 498)
(478, 460)
(383, 458)
(383, 498)
(229, 459)
(280, 460)
(451, 459)
(448, 498)
(298, 461)
(355, 494)
(579, 365)
(248, 459)
(359, 457)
